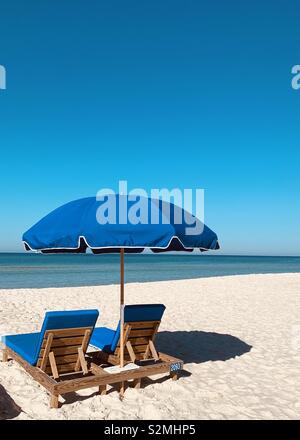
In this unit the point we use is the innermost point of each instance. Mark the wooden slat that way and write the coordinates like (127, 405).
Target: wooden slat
(44, 359)
(53, 365)
(84, 345)
(67, 332)
(140, 348)
(61, 360)
(60, 351)
(139, 333)
(65, 368)
(90, 381)
(96, 369)
(86, 340)
(146, 354)
(130, 351)
(126, 357)
(126, 334)
(115, 360)
(64, 342)
(82, 361)
(155, 331)
(138, 341)
(143, 324)
(64, 345)
(153, 350)
(139, 356)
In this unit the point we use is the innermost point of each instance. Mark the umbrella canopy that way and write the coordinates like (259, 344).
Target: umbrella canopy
(110, 224)
(117, 223)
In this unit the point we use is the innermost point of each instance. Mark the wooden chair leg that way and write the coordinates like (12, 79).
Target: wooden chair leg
(174, 376)
(122, 390)
(137, 383)
(53, 401)
(102, 390)
(4, 355)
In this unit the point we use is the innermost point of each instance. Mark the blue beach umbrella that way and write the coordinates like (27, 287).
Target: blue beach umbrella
(119, 224)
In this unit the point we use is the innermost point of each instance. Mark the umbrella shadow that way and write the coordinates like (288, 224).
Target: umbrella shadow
(190, 346)
(198, 346)
(8, 407)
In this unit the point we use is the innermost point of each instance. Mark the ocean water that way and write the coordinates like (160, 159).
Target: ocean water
(37, 270)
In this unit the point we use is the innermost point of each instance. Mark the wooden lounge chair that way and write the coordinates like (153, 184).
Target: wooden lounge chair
(141, 323)
(58, 349)
(56, 357)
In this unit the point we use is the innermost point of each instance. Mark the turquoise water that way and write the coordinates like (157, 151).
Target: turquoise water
(37, 270)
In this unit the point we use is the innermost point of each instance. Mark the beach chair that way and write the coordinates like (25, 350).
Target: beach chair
(56, 356)
(58, 349)
(141, 323)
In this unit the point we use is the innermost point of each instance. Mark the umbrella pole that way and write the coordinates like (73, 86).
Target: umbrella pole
(122, 315)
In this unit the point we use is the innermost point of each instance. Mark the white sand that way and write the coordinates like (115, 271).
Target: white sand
(239, 337)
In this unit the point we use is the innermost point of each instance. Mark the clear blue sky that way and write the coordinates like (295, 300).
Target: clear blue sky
(163, 93)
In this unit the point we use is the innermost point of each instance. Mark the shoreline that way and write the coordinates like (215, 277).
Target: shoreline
(127, 283)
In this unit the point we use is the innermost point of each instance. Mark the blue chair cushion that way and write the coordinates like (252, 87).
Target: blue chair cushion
(102, 338)
(24, 345)
(143, 312)
(29, 345)
(137, 312)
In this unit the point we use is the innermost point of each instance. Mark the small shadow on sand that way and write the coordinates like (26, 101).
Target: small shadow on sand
(8, 407)
(197, 346)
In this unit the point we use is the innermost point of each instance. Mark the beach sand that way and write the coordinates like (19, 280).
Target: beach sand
(238, 335)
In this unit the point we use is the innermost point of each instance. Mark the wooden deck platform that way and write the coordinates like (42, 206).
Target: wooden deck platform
(96, 376)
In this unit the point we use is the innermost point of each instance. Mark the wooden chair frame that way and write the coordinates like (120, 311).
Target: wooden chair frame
(139, 341)
(63, 351)
(57, 365)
